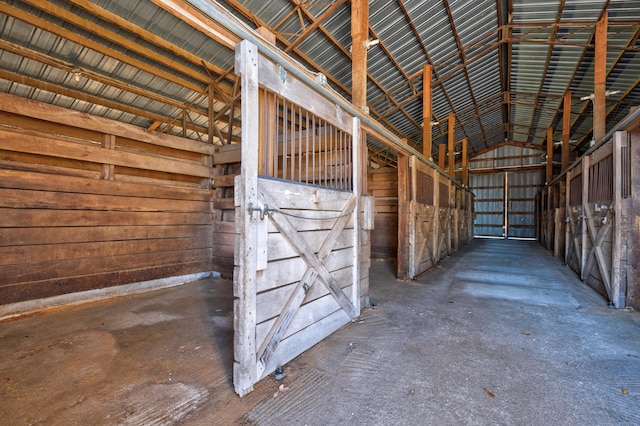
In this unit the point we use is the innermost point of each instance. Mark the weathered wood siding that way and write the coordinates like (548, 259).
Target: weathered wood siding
(301, 220)
(435, 218)
(383, 186)
(587, 218)
(227, 166)
(88, 203)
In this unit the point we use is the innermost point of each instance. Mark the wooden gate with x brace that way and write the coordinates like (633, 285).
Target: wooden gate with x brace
(298, 203)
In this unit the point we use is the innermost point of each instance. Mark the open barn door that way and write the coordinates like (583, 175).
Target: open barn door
(297, 274)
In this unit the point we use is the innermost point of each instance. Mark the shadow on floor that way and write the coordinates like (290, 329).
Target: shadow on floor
(500, 333)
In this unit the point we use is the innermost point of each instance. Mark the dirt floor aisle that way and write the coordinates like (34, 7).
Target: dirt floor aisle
(484, 338)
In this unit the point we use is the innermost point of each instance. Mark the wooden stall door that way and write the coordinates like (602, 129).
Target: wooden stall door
(422, 220)
(297, 277)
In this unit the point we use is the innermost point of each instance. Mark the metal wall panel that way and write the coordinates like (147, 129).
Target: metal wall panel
(489, 204)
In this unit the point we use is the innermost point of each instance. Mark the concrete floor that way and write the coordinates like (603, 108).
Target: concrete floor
(500, 333)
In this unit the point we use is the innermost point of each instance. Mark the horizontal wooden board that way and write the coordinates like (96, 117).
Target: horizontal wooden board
(287, 271)
(270, 303)
(47, 112)
(38, 217)
(223, 203)
(28, 199)
(55, 146)
(226, 154)
(36, 254)
(69, 234)
(303, 318)
(223, 181)
(383, 184)
(300, 94)
(9, 161)
(278, 246)
(13, 179)
(65, 284)
(290, 195)
(67, 268)
(309, 220)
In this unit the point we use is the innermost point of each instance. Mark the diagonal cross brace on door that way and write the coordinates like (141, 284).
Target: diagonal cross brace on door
(316, 271)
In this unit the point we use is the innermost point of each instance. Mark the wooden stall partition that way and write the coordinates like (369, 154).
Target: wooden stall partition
(445, 191)
(227, 166)
(595, 205)
(301, 224)
(575, 223)
(599, 217)
(404, 198)
(88, 203)
(633, 218)
(560, 215)
(421, 218)
(383, 187)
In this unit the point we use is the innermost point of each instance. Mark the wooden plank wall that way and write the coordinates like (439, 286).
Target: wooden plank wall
(88, 203)
(227, 166)
(587, 219)
(383, 186)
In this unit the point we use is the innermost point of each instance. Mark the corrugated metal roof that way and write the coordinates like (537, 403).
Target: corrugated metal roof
(501, 70)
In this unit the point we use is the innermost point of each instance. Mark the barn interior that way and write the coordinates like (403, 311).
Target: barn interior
(220, 189)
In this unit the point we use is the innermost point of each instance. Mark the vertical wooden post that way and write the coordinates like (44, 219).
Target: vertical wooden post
(452, 151)
(566, 130)
(465, 163)
(245, 365)
(569, 214)
(585, 205)
(412, 222)
(633, 234)
(403, 216)
(210, 113)
(600, 80)
(560, 223)
(617, 292)
(426, 112)
(437, 212)
(549, 155)
(442, 154)
(108, 170)
(359, 36)
(357, 192)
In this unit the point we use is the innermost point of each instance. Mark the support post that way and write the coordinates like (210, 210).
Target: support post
(617, 290)
(442, 153)
(600, 80)
(245, 367)
(585, 205)
(426, 112)
(549, 176)
(359, 36)
(566, 130)
(465, 163)
(403, 217)
(452, 135)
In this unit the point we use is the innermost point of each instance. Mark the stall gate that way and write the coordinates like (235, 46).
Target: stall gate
(298, 251)
(434, 217)
(596, 209)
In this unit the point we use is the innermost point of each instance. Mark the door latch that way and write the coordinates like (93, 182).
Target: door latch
(264, 211)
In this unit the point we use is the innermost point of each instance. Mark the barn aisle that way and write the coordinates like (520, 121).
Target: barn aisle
(499, 333)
